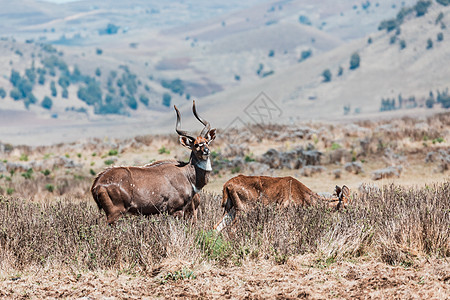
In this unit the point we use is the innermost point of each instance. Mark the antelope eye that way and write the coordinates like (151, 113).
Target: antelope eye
(196, 145)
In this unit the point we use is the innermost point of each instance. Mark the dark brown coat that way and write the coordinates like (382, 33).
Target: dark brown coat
(162, 187)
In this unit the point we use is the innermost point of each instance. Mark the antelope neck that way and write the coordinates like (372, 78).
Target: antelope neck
(200, 178)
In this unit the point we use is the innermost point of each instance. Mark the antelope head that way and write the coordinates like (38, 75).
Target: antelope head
(198, 145)
(343, 195)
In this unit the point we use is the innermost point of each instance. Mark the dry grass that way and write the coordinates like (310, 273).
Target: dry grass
(395, 226)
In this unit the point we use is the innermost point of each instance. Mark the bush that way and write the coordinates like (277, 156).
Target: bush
(443, 2)
(113, 152)
(50, 187)
(271, 53)
(402, 44)
(47, 103)
(440, 37)
(326, 75)
(2, 93)
(99, 51)
(98, 72)
(354, 61)
(340, 71)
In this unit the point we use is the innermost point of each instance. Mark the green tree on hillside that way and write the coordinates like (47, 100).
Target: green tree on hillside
(14, 77)
(131, 102)
(354, 61)
(326, 75)
(144, 99)
(91, 94)
(65, 93)
(47, 103)
(421, 7)
(53, 89)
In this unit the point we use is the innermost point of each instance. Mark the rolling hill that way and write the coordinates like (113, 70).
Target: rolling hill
(133, 60)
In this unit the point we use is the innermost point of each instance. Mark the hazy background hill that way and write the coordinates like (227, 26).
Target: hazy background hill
(86, 68)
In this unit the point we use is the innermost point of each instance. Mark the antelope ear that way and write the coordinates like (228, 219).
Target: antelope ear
(345, 191)
(211, 135)
(338, 190)
(186, 142)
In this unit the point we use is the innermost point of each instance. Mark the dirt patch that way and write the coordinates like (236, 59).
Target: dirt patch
(299, 278)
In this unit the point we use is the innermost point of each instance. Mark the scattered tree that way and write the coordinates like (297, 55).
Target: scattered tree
(326, 75)
(47, 103)
(354, 61)
(131, 102)
(65, 93)
(53, 89)
(144, 99)
(392, 39)
(440, 37)
(305, 54)
(421, 7)
(429, 44)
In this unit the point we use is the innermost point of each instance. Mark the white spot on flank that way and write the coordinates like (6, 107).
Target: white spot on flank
(153, 193)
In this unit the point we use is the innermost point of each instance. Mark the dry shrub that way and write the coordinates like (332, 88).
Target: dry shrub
(394, 224)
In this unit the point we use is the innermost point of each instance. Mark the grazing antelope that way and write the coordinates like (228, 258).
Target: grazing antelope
(242, 192)
(167, 186)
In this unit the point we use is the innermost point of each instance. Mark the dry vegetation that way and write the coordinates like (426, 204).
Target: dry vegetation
(395, 226)
(393, 242)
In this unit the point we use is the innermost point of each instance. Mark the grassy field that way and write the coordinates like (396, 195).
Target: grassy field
(392, 242)
(68, 241)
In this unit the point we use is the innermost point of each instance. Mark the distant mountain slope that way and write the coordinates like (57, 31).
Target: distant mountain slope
(140, 57)
(385, 71)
